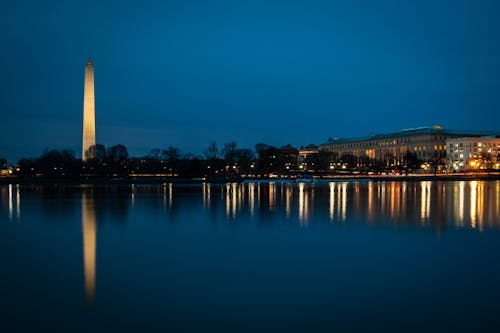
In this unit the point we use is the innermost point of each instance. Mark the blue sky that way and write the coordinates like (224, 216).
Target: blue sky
(185, 73)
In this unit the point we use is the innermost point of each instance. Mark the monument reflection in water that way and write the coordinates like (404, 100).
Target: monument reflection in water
(89, 230)
(168, 252)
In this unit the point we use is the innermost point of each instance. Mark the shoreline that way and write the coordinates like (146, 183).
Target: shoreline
(492, 176)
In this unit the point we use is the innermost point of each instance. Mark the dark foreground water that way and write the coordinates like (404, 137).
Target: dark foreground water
(257, 257)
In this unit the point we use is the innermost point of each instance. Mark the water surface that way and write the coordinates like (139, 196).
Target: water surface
(253, 257)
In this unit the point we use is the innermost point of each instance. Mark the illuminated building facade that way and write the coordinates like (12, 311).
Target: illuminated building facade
(88, 110)
(469, 153)
(427, 143)
(308, 157)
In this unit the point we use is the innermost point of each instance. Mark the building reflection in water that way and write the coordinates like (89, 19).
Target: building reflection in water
(251, 198)
(132, 195)
(476, 204)
(343, 199)
(14, 201)
(234, 197)
(462, 204)
(337, 209)
(303, 204)
(206, 195)
(459, 203)
(288, 200)
(11, 204)
(425, 200)
(331, 209)
(272, 195)
(89, 231)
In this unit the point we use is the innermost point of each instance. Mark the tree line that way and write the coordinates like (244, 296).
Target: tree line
(225, 162)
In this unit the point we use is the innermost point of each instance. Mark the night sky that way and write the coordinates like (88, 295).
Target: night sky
(185, 73)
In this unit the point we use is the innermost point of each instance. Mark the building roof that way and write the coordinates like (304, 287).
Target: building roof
(436, 129)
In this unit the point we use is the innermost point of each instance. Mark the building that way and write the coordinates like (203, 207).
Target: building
(468, 153)
(88, 110)
(427, 143)
(308, 158)
(273, 160)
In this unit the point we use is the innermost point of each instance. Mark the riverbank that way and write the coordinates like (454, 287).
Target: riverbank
(159, 180)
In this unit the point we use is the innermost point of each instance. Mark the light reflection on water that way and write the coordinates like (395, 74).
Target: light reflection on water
(89, 231)
(472, 206)
(461, 204)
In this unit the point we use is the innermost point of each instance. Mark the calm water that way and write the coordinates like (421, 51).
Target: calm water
(257, 257)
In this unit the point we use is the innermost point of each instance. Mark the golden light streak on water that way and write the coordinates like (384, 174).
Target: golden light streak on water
(303, 205)
(272, 196)
(164, 196)
(18, 202)
(473, 204)
(425, 200)
(228, 202)
(332, 201)
(234, 193)
(170, 195)
(11, 204)
(208, 195)
(480, 205)
(132, 195)
(288, 201)
(344, 201)
(89, 231)
(251, 197)
(392, 200)
(461, 203)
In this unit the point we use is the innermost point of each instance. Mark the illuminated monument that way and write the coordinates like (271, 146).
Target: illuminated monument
(88, 109)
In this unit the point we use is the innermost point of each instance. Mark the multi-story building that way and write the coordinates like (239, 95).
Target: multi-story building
(468, 153)
(308, 157)
(428, 144)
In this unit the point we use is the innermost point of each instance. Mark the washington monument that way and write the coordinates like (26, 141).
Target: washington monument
(88, 109)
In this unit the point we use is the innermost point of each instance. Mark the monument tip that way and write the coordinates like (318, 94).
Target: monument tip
(89, 61)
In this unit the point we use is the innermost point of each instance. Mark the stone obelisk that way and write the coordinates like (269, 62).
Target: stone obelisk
(88, 109)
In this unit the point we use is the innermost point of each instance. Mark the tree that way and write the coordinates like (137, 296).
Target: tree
(155, 153)
(212, 152)
(266, 162)
(27, 167)
(96, 153)
(229, 152)
(244, 158)
(262, 148)
(118, 161)
(117, 153)
(172, 154)
(56, 163)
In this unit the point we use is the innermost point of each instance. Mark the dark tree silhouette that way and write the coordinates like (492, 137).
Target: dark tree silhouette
(212, 152)
(117, 153)
(96, 153)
